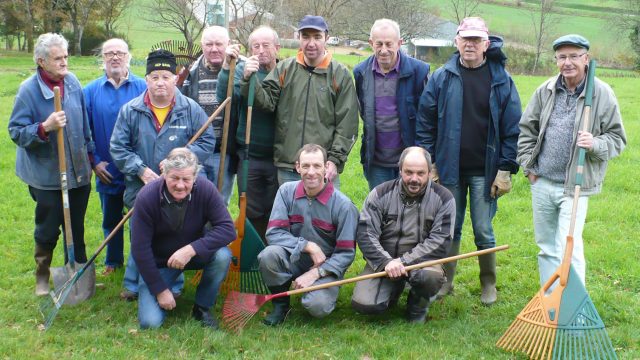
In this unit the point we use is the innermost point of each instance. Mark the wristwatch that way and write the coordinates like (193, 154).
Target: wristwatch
(322, 272)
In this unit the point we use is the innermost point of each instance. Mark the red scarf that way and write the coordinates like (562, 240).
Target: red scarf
(50, 82)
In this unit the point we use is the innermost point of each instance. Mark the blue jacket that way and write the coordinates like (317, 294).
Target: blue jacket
(411, 81)
(136, 145)
(103, 102)
(440, 118)
(37, 159)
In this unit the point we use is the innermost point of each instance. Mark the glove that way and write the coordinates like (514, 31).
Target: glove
(433, 174)
(501, 184)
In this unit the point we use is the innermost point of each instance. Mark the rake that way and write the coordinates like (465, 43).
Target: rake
(185, 55)
(239, 308)
(564, 324)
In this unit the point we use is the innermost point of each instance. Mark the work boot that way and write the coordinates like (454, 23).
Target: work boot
(281, 307)
(449, 271)
(417, 308)
(204, 316)
(43, 258)
(487, 264)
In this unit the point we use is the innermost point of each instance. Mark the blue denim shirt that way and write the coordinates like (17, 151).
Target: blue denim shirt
(37, 159)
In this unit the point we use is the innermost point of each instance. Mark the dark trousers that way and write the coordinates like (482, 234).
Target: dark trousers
(262, 186)
(49, 218)
(112, 208)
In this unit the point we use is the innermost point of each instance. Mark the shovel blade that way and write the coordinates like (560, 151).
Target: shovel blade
(83, 289)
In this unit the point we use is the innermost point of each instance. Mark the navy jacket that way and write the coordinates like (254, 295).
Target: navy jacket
(440, 118)
(411, 81)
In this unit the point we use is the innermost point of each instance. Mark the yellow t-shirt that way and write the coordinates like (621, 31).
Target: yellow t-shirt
(161, 113)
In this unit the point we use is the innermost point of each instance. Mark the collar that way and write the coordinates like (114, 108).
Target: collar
(404, 194)
(323, 197)
(561, 84)
(376, 67)
(123, 80)
(484, 61)
(166, 197)
(324, 64)
(210, 67)
(147, 101)
(50, 82)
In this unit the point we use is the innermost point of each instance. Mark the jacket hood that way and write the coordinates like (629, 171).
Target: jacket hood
(494, 52)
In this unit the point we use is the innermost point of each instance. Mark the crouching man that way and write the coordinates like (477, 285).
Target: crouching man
(311, 235)
(404, 222)
(180, 223)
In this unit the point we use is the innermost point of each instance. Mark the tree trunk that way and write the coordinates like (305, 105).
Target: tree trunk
(77, 38)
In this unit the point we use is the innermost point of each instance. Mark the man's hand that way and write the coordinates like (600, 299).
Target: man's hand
(433, 174)
(232, 52)
(316, 253)
(395, 269)
(55, 121)
(250, 66)
(501, 184)
(585, 140)
(102, 173)
(307, 279)
(181, 257)
(166, 300)
(532, 178)
(148, 176)
(332, 171)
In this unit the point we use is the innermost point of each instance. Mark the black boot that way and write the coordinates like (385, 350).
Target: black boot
(417, 308)
(43, 258)
(281, 306)
(204, 316)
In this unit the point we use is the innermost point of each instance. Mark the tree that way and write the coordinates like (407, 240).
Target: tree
(109, 11)
(247, 15)
(543, 21)
(628, 22)
(463, 8)
(180, 15)
(79, 12)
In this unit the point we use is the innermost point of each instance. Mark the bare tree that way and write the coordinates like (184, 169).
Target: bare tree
(180, 15)
(247, 15)
(463, 8)
(543, 20)
(109, 11)
(628, 23)
(79, 12)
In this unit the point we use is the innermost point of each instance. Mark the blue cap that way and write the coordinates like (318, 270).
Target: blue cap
(313, 22)
(571, 39)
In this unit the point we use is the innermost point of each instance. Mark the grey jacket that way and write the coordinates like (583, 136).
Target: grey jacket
(136, 144)
(381, 227)
(609, 138)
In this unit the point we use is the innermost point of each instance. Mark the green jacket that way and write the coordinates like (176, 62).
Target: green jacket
(318, 107)
(609, 138)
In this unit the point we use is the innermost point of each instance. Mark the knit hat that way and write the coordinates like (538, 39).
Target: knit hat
(161, 59)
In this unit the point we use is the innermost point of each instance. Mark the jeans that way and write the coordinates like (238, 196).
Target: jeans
(482, 211)
(228, 177)
(286, 175)
(376, 175)
(112, 207)
(151, 315)
(551, 218)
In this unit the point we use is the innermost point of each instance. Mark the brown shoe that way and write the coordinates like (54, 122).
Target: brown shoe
(108, 270)
(128, 295)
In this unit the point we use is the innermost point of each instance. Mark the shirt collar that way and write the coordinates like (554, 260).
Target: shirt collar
(323, 197)
(123, 80)
(560, 84)
(396, 67)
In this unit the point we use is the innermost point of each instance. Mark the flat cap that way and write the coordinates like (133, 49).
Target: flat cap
(571, 39)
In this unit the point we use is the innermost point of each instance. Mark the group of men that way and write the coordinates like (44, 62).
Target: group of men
(429, 145)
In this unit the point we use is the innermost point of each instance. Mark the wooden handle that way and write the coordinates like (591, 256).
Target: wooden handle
(209, 120)
(383, 273)
(225, 126)
(64, 186)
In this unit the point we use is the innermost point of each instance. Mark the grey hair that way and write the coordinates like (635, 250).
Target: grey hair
(385, 23)
(179, 159)
(276, 38)
(46, 42)
(411, 149)
(215, 29)
(118, 40)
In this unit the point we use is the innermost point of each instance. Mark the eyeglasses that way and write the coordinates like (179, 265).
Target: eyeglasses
(112, 54)
(572, 57)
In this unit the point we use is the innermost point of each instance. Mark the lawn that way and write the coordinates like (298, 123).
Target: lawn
(459, 326)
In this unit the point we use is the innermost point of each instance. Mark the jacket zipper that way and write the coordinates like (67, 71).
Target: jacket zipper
(306, 104)
(395, 254)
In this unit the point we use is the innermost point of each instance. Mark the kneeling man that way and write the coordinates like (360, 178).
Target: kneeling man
(311, 235)
(180, 223)
(404, 222)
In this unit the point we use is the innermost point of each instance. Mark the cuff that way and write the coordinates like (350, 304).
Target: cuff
(42, 134)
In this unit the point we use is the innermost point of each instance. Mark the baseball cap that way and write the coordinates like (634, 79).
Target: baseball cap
(473, 27)
(313, 22)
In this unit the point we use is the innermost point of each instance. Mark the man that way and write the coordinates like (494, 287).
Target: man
(404, 222)
(550, 137)
(104, 97)
(201, 85)
(314, 100)
(388, 85)
(180, 223)
(262, 179)
(311, 237)
(468, 121)
(147, 129)
(33, 126)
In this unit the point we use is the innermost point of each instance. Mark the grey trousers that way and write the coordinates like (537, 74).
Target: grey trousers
(375, 296)
(278, 270)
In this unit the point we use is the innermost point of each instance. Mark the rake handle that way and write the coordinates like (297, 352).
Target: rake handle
(245, 162)
(210, 120)
(383, 273)
(225, 126)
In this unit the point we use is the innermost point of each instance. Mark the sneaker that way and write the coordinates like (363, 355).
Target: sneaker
(128, 295)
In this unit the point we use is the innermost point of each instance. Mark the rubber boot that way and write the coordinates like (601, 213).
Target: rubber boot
(281, 306)
(206, 318)
(488, 278)
(43, 258)
(417, 308)
(449, 271)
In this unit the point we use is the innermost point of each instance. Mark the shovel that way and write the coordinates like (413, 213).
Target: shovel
(85, 288)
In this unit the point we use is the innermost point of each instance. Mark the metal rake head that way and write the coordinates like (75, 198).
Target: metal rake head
(239, 308)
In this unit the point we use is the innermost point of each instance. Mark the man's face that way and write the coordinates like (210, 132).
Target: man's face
(214, 45)
(415, 172)
(56, 63)
(312, 169)
(312, 44)
(572, 62)
(116, 58)
(180, 182)
(263, 46)
(385, 44)
(161, 84)
(472, 49)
